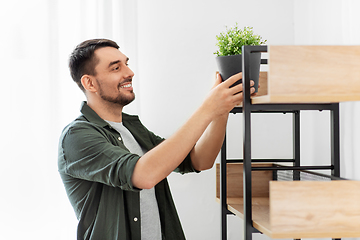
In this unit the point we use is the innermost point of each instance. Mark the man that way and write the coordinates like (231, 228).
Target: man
(114, 169)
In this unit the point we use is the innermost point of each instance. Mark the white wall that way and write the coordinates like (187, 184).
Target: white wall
(176, 68)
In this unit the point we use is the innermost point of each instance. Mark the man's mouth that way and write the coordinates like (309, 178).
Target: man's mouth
(126, 85)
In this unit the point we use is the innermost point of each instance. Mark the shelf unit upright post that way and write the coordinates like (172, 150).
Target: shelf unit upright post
(247, 191)
(248, 108)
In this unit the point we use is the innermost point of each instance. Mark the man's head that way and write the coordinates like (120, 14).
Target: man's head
(83, 60)
(100, 69)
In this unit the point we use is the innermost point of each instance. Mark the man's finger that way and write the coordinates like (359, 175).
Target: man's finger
(237, 88)
(218, 79)
(231, 80)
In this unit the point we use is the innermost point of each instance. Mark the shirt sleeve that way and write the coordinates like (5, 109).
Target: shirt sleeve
(89, 154)
(186, 166)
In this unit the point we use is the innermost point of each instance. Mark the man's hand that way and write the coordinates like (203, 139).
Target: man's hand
(208, 146)
(223, 98)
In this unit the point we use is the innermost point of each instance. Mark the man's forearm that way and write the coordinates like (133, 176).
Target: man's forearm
(207, 148)
(159, 162)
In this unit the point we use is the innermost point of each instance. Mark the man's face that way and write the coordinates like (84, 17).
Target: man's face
(113, 76)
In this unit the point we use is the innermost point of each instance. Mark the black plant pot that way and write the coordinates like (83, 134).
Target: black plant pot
(230, 65)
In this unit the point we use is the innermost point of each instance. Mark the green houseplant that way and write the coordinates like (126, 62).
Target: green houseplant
(229, 59)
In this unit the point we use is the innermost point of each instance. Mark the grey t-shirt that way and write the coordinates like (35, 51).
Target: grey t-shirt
(149, 211)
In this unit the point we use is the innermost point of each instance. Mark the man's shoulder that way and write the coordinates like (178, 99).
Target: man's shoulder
(80, 120)
(80, 123)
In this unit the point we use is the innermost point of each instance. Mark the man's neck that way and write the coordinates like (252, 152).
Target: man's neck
(107, 110)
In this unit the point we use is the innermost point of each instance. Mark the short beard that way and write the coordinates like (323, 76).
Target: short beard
(120, 99)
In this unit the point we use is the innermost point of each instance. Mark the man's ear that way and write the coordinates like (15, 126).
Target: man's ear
(88, 83)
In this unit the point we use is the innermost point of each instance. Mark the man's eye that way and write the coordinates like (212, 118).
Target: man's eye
(116, 68)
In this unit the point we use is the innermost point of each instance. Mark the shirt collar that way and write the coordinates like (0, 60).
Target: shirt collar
(92, 116)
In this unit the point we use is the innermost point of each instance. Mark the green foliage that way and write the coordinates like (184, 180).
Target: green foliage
(231, 41)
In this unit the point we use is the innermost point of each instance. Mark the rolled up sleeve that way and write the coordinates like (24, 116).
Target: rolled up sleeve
(89, 153)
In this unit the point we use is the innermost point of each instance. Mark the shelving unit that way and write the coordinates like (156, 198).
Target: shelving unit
(299, 78)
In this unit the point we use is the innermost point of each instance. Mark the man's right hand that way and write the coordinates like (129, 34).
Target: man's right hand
(222, 99)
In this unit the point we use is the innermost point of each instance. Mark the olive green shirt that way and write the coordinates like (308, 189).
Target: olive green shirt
(96, 169)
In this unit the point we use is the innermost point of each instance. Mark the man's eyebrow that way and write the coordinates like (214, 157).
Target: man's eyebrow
(113, 62)
(116, 61)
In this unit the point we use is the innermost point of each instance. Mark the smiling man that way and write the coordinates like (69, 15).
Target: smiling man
(113, 168)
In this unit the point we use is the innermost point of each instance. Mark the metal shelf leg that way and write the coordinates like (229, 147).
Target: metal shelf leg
(248, 228)
(223, 192)
(296, 143)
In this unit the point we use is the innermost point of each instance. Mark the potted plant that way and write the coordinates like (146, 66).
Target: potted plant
(229, 59)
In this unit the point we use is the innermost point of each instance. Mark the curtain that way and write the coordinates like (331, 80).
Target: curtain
(39, 98)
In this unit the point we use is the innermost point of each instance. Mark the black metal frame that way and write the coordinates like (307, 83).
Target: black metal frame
(249, 108)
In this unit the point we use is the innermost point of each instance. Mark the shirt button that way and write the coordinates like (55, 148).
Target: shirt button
(119, 138)
(135, 219)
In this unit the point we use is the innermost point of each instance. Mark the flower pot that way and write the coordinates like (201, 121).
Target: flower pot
(230, 65)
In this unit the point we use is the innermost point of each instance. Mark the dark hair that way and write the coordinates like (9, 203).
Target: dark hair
(83, 61)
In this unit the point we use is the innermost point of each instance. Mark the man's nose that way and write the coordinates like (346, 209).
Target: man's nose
(129, 72)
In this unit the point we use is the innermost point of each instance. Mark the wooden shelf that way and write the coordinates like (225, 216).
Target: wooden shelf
(310, 74)
(304, 99)
(260, 212)
(296, 209)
